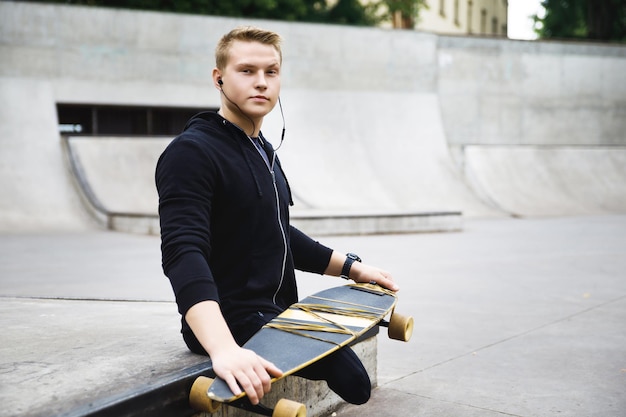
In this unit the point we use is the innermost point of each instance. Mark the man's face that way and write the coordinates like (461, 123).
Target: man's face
(251, 79)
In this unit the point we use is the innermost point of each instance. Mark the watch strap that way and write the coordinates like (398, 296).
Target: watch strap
(347, 265)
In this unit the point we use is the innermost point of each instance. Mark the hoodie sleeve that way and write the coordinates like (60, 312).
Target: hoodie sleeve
(308, 255)
(185, 182)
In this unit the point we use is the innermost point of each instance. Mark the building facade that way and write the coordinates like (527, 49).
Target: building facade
(464, 17)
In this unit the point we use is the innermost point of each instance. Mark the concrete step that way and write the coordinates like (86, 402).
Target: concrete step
(320, 223)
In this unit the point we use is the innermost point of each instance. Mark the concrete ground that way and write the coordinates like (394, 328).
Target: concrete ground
(512, 318)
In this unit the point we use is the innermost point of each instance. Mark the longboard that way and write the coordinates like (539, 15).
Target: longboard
(312, 329)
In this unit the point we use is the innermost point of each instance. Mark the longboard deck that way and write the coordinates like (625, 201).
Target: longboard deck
(313, 328)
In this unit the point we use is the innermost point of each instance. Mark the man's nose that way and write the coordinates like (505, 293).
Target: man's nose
(261, 82)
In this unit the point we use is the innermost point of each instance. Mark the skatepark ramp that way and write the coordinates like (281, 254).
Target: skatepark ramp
(116, 179)
(116, 176)
(549, 180)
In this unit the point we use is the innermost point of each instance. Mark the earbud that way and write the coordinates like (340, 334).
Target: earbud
(220, 82)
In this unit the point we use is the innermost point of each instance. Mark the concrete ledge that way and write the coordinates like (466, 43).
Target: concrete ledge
(78, 358)
(355, 223)
(168, 396)
(134, 223)
(322, 224)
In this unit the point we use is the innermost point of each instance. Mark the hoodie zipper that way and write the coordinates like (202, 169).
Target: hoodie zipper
(270, 167)
(282, 231)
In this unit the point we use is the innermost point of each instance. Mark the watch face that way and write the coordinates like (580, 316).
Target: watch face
(354, 256)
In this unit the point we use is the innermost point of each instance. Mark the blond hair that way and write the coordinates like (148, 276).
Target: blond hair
(245, 34)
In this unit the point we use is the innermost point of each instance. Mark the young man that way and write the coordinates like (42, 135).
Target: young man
(227, 245)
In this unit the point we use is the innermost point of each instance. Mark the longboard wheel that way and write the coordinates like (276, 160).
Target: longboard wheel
(199, 397)
(288, 408)
(400, 327)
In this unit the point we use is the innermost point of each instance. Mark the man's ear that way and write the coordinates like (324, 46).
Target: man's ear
(217, 77)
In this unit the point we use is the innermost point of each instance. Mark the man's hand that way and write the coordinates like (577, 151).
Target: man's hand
(360, 272)
(244, 369)
(240, 368)
(367, 273)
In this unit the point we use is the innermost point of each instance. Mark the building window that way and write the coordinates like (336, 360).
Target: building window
(469, 16)
(494, 25)
(442, 8)
(121, 121)
(505, 30)
(92, 120)
(456, 13)
(483, 21)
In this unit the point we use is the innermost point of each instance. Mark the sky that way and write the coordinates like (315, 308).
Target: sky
(520, 26)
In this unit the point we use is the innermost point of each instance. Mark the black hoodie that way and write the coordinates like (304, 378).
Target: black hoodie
(224, 213)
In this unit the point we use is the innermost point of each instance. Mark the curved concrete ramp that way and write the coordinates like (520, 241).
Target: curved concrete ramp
(116, 177)
(361, 151)
(118, 172)
(549, 181)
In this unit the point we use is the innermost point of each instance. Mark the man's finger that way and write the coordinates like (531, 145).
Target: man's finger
(263, 381)
(232, 384)
(392, 286)
(388, 281)
(256, 382)
(249, 388)
(271, 368)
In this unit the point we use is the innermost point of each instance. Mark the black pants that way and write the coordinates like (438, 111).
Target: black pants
(342, 370)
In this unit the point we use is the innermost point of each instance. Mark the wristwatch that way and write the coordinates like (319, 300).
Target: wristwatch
(350, 258)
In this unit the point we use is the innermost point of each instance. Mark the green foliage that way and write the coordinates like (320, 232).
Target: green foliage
(349, 12)
(383, 11)
(583, 19)
(263, 9)
(409, 8)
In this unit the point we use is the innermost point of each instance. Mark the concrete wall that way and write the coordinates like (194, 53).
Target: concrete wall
(373, 107)
(533, 93)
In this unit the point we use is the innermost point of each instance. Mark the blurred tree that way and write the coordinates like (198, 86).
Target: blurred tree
(603, 20)
(350, 12)
(264, 9)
